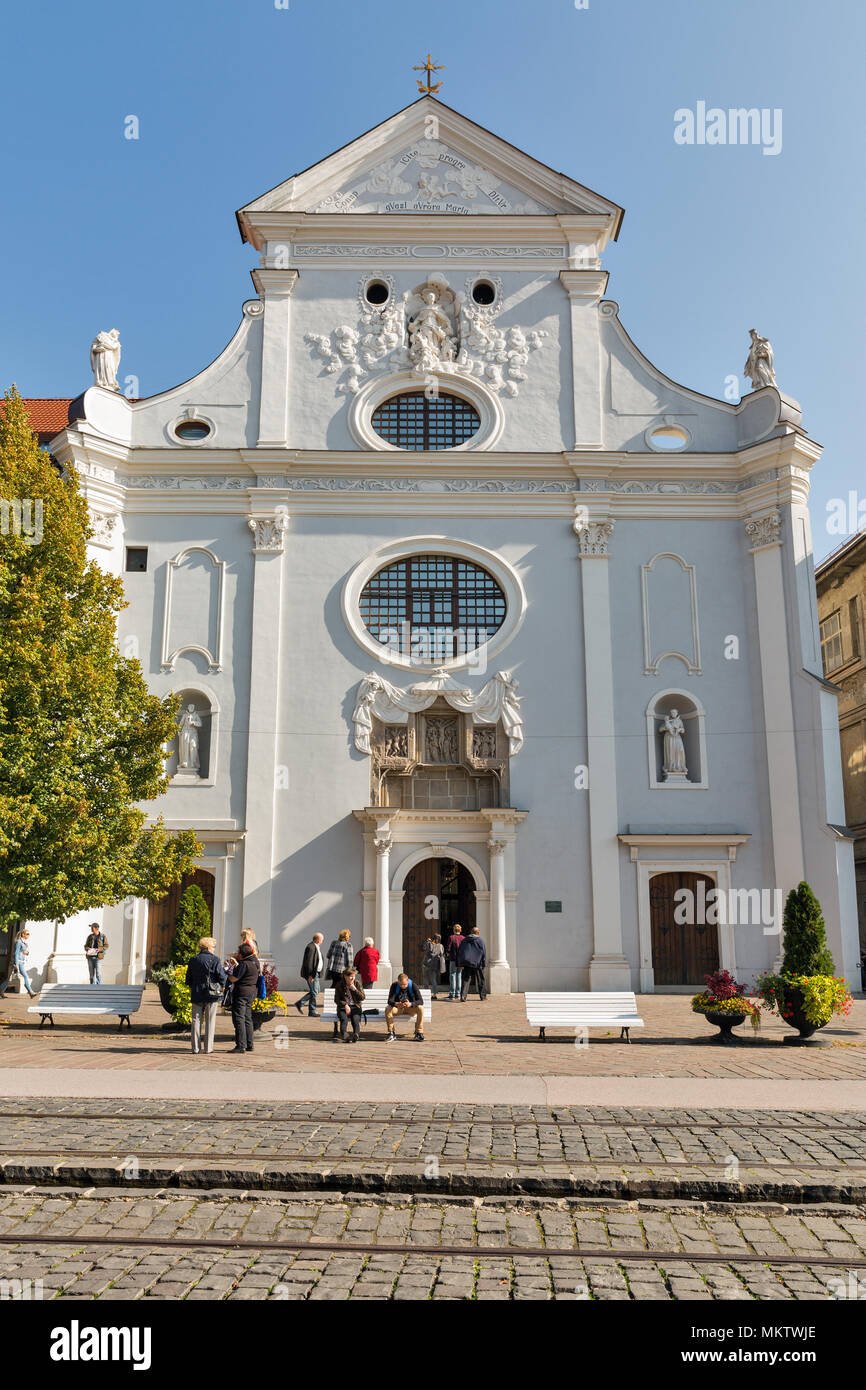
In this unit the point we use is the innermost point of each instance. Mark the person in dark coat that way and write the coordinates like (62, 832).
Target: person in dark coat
(348, 999)
(472, 958)
(244, 978)
(207, 980)
(311, 973)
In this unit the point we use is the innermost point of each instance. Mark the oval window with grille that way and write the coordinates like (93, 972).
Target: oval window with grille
(432, 607)
(418, 422)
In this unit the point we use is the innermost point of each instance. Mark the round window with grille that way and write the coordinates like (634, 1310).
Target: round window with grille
(415, 421)
(432, 607)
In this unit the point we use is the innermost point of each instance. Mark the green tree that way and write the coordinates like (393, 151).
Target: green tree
(81, 737)
(804, 941)
(190, 925)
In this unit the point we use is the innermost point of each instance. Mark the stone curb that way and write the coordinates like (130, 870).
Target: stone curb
(468, 1182)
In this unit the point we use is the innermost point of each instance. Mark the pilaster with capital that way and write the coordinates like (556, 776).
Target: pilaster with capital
(765, 536)
(608, 969)
(275, 287)
(263, 786)
(585, 289)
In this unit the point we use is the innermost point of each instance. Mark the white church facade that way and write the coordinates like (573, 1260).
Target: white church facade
(475, 614)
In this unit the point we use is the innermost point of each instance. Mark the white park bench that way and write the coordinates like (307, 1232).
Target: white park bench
(374, 998)
(591, 1010)
(122, 1000)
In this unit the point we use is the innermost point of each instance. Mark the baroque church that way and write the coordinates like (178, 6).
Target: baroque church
(459, 589)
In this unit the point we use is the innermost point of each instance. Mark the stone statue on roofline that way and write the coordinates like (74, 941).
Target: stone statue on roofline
(105, 359)
(759, 364)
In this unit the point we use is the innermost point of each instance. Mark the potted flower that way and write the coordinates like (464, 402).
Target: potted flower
(724, 1003)
(174, 994)
(807, 991)
(273, 1003)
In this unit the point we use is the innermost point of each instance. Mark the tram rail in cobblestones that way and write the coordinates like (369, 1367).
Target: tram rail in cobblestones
(852, 1122)
(63, 1153)
(624, 1255)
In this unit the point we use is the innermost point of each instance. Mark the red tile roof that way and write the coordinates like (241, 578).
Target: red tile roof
(48, 415)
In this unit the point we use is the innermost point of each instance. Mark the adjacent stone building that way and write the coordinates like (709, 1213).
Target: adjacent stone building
(841, 584)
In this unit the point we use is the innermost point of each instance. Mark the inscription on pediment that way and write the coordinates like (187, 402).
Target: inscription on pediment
(430, 177)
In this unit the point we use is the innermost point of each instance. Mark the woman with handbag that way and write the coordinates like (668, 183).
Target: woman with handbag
(95, 948)
(207, 980)
(341, 957)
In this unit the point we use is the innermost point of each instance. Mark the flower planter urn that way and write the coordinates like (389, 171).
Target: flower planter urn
(164, 987)
(261, 1016)
(725, 1022)
(795, 1015)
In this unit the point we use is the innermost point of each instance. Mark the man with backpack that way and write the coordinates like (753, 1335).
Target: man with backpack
(404, 997)
(472, 958)
(206, 979)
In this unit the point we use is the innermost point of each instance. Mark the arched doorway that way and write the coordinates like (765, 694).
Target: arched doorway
(437, 893)
(682, 952)
(161, 915)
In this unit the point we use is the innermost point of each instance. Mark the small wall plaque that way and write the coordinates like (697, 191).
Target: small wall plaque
(551, 906)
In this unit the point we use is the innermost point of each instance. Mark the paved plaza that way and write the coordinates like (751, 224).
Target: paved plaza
(490, 1039)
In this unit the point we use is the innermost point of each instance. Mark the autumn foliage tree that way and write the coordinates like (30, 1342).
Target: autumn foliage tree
(81, 737)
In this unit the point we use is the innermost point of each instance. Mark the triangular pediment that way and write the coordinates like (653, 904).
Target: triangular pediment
(429, 159)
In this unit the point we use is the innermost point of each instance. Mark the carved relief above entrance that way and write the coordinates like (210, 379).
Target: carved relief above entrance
(439, 761)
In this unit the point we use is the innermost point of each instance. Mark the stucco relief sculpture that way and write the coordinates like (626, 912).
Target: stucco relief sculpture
(674, 752)
(432, 340)
(188, 757)
(105, 359)
(497, 701)
(759, 363)
(431, 329)
(441, 741)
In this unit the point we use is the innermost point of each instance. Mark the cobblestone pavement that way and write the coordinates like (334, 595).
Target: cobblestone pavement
(657, 1251)
(473, 1039)
(452, 1149)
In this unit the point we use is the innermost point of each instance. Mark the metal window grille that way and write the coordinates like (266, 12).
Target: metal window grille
(414, 421)
(432, 607)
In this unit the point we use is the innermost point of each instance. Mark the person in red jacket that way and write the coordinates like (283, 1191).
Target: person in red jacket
(367, 962)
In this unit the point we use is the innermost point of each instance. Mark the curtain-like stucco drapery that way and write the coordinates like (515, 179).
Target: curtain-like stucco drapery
(498, 699)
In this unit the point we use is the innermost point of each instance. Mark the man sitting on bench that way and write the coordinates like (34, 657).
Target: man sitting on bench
(404, 998)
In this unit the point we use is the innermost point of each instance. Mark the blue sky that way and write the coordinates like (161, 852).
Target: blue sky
(99, 231)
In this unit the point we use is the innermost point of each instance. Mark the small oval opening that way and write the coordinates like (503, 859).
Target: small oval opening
(376, 292)
(669, 438)
(192, 429)
(483, 292)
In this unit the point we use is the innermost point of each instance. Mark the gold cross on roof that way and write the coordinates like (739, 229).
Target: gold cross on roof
(429, 87)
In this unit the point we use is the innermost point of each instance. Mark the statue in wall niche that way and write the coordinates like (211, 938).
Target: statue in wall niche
(105, 359)
(431, 338)
(674, 754)
(188, 759)
(759, 364)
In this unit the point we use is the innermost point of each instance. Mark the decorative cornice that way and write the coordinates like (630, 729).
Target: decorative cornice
(764, 531)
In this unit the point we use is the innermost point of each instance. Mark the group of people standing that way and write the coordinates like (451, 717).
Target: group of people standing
(463, 956)
(232, 982)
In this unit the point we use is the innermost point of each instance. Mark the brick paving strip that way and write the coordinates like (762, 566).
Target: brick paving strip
(452, 1149)
(228, 1246)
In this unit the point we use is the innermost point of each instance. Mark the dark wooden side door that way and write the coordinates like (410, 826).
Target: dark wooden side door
(437, 893)
(161, 915)
(682, 952)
